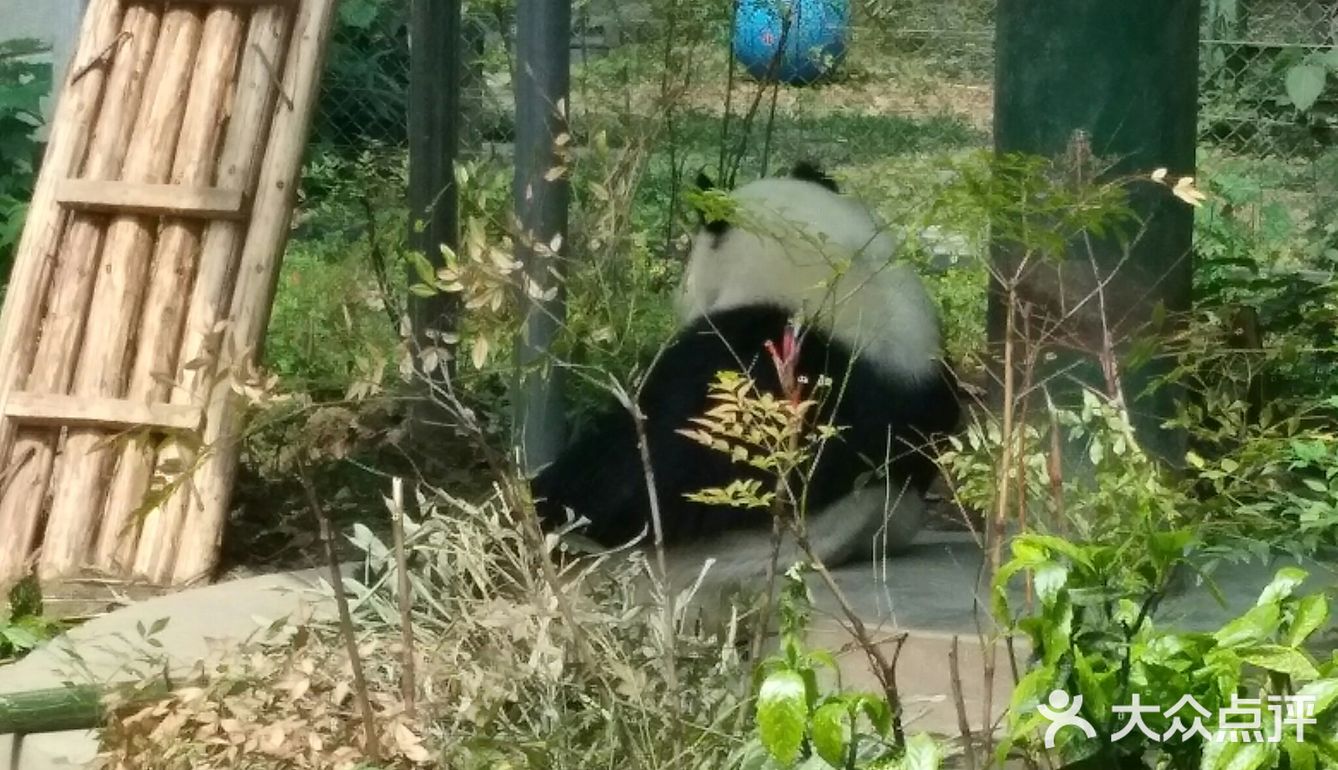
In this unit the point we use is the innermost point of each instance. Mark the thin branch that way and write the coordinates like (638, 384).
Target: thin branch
(994, 532)
(345, 617)
(379, 270)
(959, 700)
(103, 58)
(407, 678)
(884, 669)
(657, 525)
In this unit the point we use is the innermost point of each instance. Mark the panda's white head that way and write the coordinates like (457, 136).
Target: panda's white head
(797, 242)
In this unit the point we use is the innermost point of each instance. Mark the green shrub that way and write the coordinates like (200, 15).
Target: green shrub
(329, 326)
(23, 627)
(23, 83)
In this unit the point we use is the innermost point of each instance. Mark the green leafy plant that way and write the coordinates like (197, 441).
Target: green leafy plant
(757, 430)
(800, 725)
(1102, 550)
(23, 627)
(24, 81)
(1255, 253)
(1093, 636)
(1306, 80)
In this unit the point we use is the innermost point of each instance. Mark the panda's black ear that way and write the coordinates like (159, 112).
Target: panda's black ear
(809, 171)
(704, 182)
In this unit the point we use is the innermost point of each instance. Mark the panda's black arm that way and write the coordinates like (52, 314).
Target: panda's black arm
(598, 476)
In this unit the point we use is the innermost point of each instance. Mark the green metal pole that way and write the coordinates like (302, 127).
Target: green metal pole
(433, 130)
(543, 79)
(1118, 80)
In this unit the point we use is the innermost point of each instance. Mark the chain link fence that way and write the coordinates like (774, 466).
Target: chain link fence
(1269, 77)
(1268, 85)
(365, 94)
(364, 97)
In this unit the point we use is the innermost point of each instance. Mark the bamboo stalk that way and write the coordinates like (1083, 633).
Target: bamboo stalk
(84, 122)
(171, 276)
(254, 293)
(238, 168)
(74, 707)
(117, 295)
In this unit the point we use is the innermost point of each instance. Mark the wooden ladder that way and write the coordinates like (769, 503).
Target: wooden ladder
(144, 280)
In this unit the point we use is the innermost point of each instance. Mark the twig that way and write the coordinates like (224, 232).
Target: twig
(959, 700)
(407, 678)
(671, 127)
(994, 535)
(884, 669)
(657, 524)
(769, 82)
(103, 58)
(769, 132)
(8, 474)
(345, 617)
(274, 76)
(378, 259)
(1055, 470)
(729, 95)
(764, 615)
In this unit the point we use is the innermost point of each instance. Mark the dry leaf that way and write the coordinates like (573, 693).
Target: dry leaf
(479, 355)
(1186, 191)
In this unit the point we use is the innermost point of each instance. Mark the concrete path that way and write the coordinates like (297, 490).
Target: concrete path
(928, 593)
(111, 649)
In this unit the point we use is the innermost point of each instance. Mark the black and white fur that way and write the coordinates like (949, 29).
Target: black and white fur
(796, 247)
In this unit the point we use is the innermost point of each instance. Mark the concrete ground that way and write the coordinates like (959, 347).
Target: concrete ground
(110, 649)
(928, 593)
(931, 593)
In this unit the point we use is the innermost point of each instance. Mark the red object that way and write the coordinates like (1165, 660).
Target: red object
(785, 362)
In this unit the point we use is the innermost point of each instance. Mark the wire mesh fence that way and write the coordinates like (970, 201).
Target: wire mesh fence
(1266, 87)
(365, 90)
(1268, 70)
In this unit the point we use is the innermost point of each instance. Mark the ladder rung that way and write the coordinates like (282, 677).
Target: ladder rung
(151, 199)
(107, 413)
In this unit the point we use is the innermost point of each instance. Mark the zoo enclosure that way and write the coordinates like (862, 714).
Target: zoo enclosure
(1265, 93)
(1249, 48)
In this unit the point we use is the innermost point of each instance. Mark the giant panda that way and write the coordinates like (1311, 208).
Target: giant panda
(796, 254)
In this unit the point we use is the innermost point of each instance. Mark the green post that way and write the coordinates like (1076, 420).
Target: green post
(542, 87)
(433, 128)
(1117, 80)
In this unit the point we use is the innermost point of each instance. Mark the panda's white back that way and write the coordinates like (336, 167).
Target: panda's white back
(799, 245)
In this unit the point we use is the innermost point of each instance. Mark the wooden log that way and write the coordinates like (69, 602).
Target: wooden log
(199, 202)
(72, 130)
(254, 293)
(118, 291)
(89, 134)
(171, 275)
(238, 168)
(104, 413)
